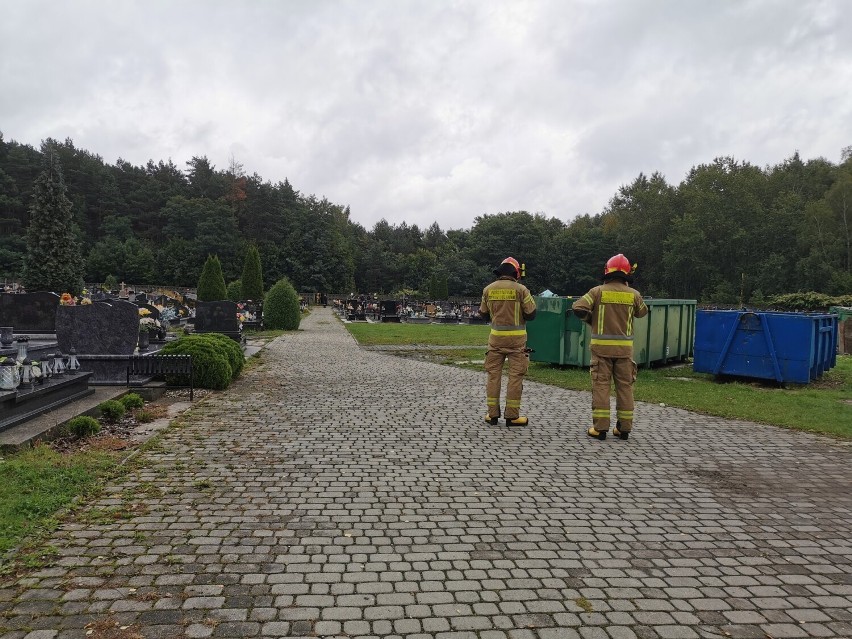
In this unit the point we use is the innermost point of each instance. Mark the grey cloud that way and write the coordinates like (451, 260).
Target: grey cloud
(423, 110)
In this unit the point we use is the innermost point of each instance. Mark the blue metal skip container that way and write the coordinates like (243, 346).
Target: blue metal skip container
(786, 347)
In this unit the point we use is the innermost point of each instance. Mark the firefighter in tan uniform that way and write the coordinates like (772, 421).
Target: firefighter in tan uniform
(509, 306)
(609, 309)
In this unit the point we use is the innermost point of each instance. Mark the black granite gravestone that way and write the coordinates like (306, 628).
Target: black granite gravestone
(100, 328)
(218, 317)
(29, 312)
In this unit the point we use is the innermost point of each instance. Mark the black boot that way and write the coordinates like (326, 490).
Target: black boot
(621, 434)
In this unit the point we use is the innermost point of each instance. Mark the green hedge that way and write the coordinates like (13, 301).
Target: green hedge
(216, 359)
(808, 301)
(281, 307)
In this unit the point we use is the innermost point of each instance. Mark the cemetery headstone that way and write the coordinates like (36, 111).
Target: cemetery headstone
(29, 312)
(218, 317)
(99, 328)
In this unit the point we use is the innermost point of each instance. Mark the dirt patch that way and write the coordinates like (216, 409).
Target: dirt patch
(728, 481)
(135, 427)
(109, 628)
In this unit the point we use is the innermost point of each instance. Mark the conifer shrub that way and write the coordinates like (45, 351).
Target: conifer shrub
(252, 280)
(211, 284)
(235, 291)
(210, 367)
(112, 410)
(132, 401)
(84, 426)
(281, 307)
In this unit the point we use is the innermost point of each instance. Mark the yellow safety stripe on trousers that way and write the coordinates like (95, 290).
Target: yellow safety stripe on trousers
(600, 412)
(628, 341)
(513, 403)
(625, 414)
(601, 311)
(499, 333)
(617, 297)
(492, 401)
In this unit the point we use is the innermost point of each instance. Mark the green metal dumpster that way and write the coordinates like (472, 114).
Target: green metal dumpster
(665, 334)
(844, 325)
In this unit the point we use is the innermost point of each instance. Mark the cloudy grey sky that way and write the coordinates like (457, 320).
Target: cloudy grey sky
(434, 110)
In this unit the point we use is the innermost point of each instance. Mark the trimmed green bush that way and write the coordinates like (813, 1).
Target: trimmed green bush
(232, 350)
(211, 284)
(131, 401)
(112, 410)
(281, 307)
(210, 366)
(235, 291)
(252, 276)
(84, 426)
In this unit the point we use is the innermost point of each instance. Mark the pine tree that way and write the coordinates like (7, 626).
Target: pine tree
(211, 284)
(252, 276)
(53, 261)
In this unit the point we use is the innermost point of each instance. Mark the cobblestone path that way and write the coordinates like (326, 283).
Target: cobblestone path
(334, 491)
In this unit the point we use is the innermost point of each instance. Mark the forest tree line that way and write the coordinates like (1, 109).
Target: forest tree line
(729, 232)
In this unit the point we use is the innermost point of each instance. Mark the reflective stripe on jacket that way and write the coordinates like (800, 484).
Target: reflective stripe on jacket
(609, 309)
(507, 302)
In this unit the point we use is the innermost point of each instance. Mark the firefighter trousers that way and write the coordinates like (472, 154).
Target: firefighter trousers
(518, 365)
(605, 370)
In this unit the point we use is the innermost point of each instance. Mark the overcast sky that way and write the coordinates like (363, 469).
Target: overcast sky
(434, 110)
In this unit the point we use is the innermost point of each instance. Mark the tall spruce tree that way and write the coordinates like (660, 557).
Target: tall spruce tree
(252, 279)
(211, 284)
(53, 261)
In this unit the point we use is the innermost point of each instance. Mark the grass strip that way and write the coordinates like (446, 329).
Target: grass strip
(825, 406)
(37, 483)
(433, 334)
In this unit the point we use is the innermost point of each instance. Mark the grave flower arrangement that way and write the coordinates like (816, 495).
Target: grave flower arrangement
(149, 324)
(66, 299)
(146, 324)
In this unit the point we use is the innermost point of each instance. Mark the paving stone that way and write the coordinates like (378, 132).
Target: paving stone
(338, 491)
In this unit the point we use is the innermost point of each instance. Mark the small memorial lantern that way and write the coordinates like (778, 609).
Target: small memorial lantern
(9, 378)
(27, 373)
(73, 362)
(23, 342)
(58, 364)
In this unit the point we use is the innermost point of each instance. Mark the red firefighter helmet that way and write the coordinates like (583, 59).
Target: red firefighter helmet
(617, 263)
(514, 263)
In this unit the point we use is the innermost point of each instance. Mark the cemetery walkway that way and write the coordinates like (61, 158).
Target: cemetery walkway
(334, 491)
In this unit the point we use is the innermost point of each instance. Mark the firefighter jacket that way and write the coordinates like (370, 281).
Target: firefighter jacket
(509, 305)
(609, 309)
